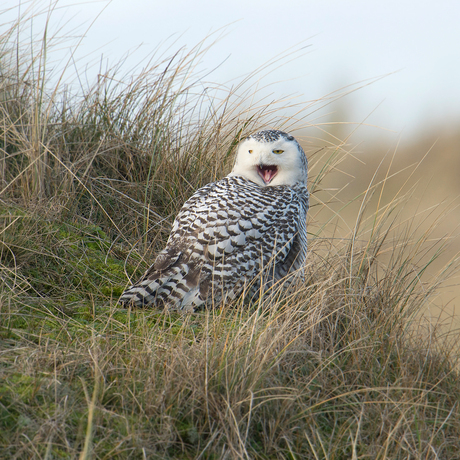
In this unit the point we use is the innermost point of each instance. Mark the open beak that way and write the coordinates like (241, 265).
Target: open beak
(267, 172)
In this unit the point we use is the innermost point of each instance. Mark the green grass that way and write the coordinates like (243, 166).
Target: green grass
(342, 366)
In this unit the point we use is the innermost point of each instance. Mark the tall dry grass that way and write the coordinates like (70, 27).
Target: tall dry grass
(339, 367)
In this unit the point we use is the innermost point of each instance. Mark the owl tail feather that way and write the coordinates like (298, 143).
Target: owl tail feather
(141, 294)
(171, 291)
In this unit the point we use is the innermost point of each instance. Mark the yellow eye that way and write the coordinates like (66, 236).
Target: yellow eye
(250, 151)
(278, 152)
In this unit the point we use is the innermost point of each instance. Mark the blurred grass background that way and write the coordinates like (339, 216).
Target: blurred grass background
(423, 170)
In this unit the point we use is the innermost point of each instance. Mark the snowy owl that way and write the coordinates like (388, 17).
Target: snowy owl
(247, 230)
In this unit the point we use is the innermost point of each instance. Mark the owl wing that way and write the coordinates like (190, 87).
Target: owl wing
(231, 228)
(225, 234)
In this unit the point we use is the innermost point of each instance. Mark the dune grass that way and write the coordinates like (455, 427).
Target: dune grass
(341, 367)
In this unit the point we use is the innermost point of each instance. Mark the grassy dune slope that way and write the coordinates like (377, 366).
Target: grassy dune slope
(339, 368)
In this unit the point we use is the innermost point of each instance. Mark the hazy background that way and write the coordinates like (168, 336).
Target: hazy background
(402, 57)
(415, 43)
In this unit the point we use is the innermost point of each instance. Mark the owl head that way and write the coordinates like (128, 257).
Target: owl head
(270, 158)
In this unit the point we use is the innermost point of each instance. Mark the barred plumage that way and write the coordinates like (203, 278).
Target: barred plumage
(251, 222)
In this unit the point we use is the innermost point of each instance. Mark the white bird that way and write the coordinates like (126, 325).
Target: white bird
(250, 223)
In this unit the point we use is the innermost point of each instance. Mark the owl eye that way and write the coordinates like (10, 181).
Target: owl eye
(250, 151)
(278, 152)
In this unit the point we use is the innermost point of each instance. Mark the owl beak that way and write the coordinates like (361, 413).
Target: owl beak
(267, 172)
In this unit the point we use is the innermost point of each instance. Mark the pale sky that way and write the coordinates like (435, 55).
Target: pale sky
(415, 42)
